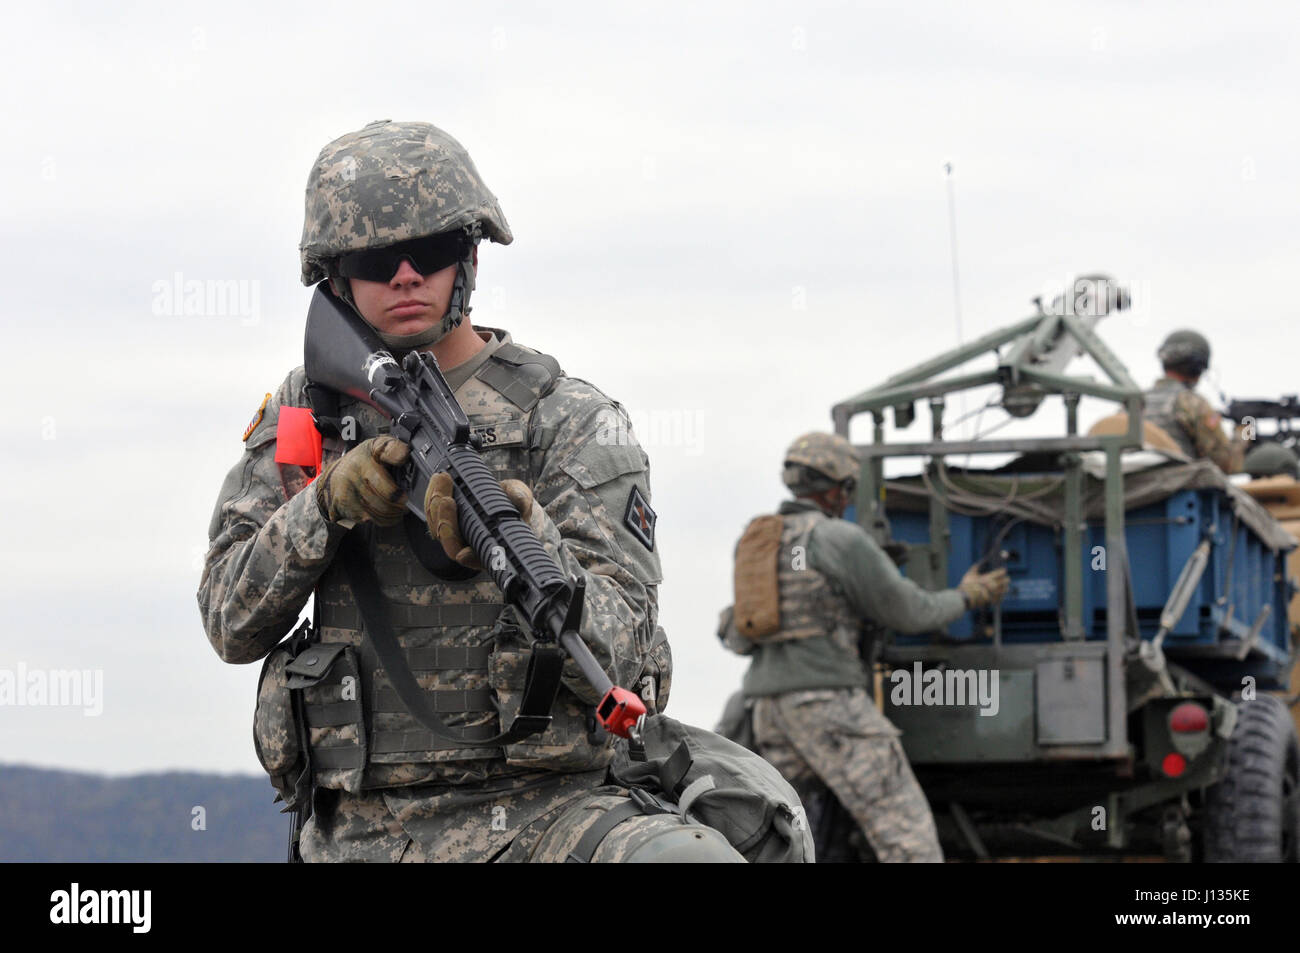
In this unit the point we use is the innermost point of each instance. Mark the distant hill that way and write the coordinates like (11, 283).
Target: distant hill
(48, 815)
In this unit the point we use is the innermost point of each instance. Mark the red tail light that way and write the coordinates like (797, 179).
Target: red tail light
(1173, 765)
(1189, 717)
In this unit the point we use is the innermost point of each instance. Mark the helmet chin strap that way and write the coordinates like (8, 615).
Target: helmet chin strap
(457, 309)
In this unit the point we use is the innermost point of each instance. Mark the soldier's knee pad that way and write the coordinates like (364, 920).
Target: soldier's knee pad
(673, 842)
(618, 828)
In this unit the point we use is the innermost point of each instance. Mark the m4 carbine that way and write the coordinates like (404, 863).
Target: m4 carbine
(346, 356)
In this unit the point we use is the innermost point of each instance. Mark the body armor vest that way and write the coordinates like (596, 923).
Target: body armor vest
(809, 605)
(464, 646)
(1159, 409)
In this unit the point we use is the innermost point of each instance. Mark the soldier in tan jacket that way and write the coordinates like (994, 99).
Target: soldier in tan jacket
(806, 584)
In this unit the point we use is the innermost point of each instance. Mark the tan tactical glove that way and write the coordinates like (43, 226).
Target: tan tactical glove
(444, 524)
(358, 486)
(983, 588)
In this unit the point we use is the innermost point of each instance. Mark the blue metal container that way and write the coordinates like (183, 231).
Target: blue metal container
(1244, 579)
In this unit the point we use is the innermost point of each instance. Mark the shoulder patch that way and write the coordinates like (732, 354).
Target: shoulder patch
(640, 519)
(257, 418)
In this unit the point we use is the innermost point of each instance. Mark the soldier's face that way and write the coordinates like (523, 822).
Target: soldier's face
(407, 303)
(837, 500)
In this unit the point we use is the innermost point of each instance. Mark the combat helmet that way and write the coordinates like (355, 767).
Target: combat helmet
(1185, 351)
(1271, 459)
(391, 182)
(818, 461)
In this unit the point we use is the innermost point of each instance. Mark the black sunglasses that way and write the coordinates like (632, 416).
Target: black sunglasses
(426, 255)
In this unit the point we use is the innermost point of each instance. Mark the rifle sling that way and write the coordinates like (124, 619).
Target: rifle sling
(540, 685)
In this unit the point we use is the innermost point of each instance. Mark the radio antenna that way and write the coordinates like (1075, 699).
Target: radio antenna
(956, 278)
(952, 234)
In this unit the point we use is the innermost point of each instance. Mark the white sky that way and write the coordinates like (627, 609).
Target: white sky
(727, 218)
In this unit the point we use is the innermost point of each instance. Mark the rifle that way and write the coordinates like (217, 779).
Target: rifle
(345, 355)
(1281, 412)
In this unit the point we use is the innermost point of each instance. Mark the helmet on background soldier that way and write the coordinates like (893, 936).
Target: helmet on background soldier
(1271, 459)
(390, 183)
(1186, 352)
(819, 461)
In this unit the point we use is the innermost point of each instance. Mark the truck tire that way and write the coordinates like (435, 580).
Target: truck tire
(1251, 814)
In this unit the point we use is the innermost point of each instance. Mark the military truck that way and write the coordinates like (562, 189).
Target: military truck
(1135, 656)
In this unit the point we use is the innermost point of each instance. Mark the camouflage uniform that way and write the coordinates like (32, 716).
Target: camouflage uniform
(812, 716)
(385, 789)
(1192, 423)
(806, 588)
(841, 738)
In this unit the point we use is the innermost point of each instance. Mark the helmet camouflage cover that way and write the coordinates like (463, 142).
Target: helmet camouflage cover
(1182, 348)
(1271, 459)
(818, 461)
(390, 182)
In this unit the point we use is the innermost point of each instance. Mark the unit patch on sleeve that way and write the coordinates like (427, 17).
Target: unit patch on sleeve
(640, 519)
(257, 417)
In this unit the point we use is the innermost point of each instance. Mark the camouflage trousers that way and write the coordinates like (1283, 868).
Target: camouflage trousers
(841, 738)
(370, 828)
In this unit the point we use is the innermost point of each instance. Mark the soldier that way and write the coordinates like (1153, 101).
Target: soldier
(1174, 406)
(394, 216)
(806, 583)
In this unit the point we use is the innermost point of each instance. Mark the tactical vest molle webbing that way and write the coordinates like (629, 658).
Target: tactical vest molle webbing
(809, 606)
(464, 647)
(1159, 409)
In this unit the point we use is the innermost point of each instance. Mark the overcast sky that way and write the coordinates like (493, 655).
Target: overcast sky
(727, 216)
